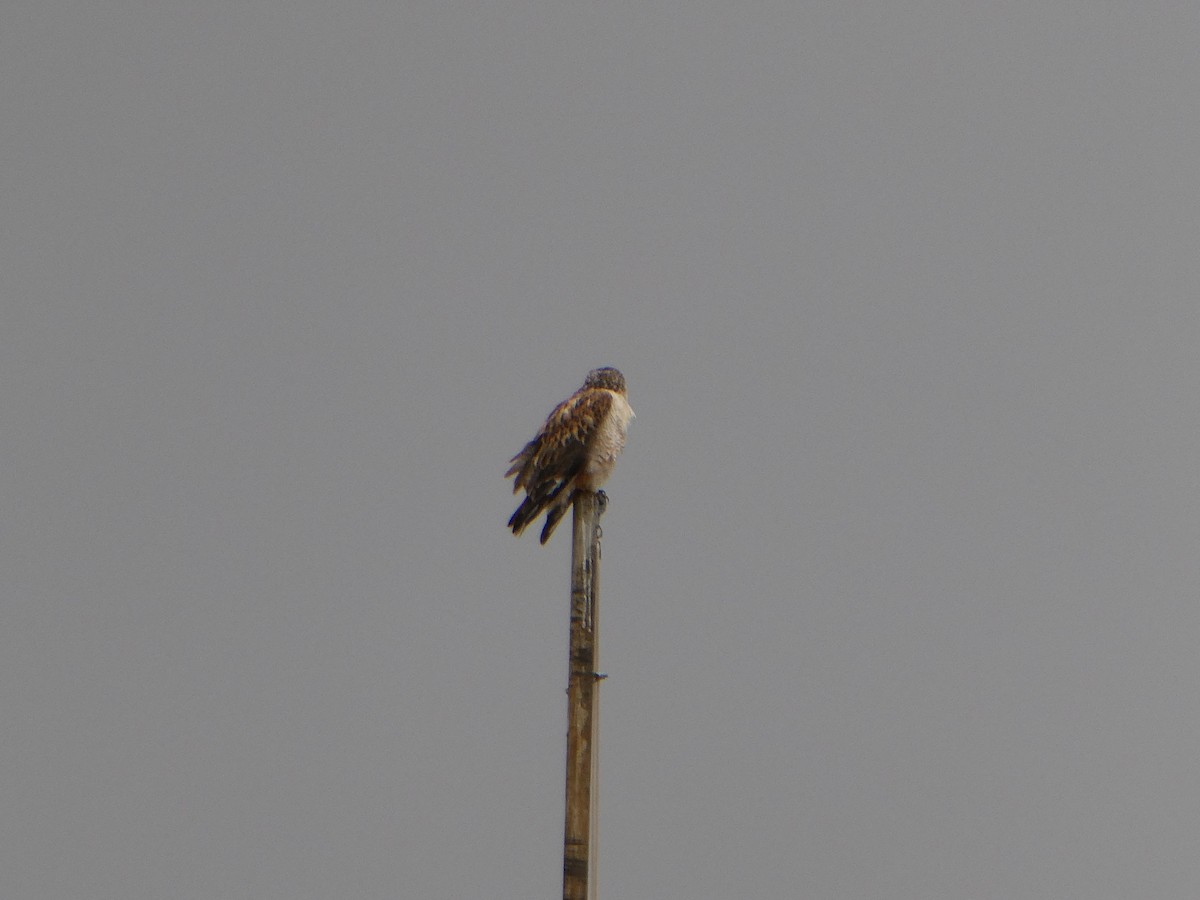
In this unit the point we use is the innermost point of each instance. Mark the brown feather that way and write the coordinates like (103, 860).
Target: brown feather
(549, 465)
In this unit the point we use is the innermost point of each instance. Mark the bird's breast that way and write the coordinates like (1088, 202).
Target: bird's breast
(607, 444)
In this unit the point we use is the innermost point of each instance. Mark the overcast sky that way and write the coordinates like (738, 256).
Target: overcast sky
(901, 588)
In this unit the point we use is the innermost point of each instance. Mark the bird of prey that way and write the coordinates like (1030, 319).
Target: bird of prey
(575, 450)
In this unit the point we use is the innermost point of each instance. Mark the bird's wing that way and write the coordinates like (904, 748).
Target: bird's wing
(559, 451)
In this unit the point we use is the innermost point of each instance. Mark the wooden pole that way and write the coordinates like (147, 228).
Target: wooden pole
(582, 700)
(594, 833)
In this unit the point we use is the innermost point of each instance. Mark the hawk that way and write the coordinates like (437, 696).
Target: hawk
(575, 450)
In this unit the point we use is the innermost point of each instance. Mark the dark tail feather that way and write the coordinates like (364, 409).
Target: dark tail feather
(556, 501)
(526, 513)
(552, 519)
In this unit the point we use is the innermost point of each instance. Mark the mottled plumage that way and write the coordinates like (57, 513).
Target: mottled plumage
(575, 450)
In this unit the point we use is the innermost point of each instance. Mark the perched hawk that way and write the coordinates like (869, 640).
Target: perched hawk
(575, 450)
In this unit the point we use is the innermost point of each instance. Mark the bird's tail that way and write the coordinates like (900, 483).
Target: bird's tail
(529, 510)
(555, 504)
(552, 519)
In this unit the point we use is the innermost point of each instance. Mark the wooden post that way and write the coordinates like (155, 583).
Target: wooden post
(582, 700)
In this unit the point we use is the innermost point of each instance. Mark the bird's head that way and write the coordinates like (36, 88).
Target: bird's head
(608, 378)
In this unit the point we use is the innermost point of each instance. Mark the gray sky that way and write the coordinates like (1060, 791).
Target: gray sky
(900, 575)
